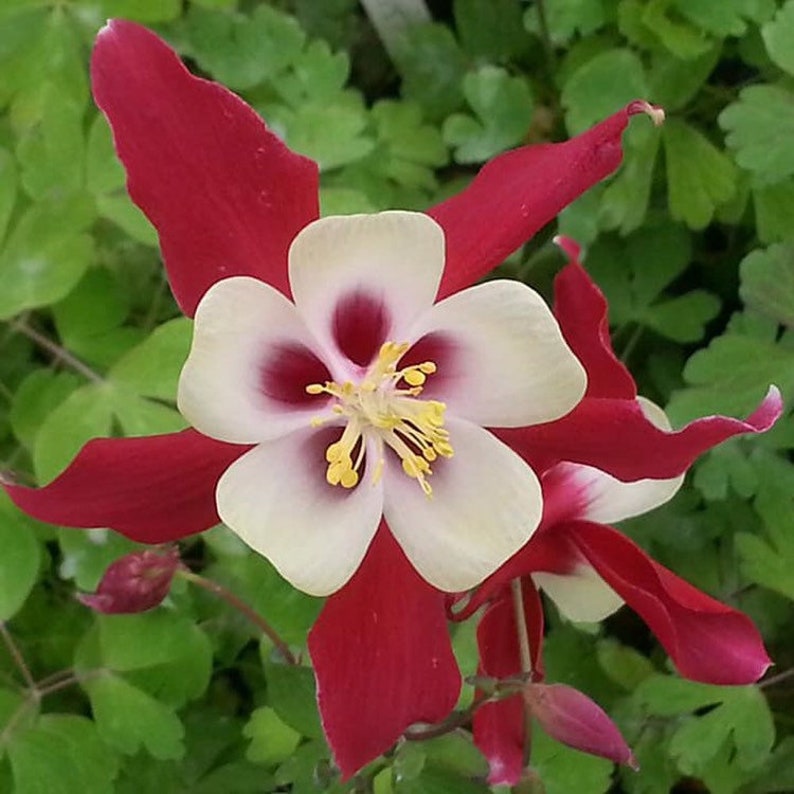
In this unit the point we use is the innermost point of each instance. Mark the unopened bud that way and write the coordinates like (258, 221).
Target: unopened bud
(573, 719)
(134, 583)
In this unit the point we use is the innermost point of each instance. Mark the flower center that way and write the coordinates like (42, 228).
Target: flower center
(384, 408)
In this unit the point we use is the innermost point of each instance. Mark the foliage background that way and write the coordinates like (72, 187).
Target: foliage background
(692, 241)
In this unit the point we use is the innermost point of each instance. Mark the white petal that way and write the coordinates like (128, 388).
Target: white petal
(486, 503)
(276, 498)
(243, 330)
(582, 595)
(505, 362)
(388, 264)
(606, 499)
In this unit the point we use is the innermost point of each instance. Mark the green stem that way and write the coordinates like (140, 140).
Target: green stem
(16, 655)
(526, 658)
(230, 598)
(56, 351)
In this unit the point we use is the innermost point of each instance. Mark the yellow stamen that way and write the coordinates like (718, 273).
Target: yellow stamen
(381, 408)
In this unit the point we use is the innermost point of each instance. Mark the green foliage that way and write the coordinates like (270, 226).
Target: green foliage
(503, 109)
(691, 241)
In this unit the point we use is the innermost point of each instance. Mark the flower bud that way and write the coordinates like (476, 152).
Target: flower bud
(573, 719)
(134, 583)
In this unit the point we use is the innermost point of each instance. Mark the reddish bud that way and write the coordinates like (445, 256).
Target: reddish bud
(134, 583)
(573, 719)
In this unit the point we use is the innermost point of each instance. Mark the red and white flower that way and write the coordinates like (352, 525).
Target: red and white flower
(363, 399)
(230, 202)
(588, 568)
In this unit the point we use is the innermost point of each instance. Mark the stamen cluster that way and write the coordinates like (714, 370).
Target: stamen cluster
(380, 409)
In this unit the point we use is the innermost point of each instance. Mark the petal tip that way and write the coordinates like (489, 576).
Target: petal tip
(656, 113)
(569, 247)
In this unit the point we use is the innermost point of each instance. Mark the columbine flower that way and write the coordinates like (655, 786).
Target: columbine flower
(590, 569)
(366, 400)
(228, 199)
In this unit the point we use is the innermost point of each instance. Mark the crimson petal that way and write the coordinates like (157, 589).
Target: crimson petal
(615, 436)
(517, 193)
(225, 194)
(152, 489)
(707, 640)
(382, 657)
(581, 310)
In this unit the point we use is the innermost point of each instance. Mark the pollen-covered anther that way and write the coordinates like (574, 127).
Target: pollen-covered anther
(380, 409)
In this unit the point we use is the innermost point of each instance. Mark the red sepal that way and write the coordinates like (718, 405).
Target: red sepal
(517, 193)
(615, 436)
(582, 312)
(382, 657)
(152, 489)
(225, 194)
(706, 640)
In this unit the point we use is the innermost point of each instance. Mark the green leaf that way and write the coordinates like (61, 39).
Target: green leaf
(774, 211)
(332, 135)
(601, 86)
(8, 189)
(684, 40)
(129, 719)
(19, 562)
(503, 110)
(291, 694)
(625, 666)
(411, 146)
(152, 368)
(253, 578)
(699, 176)
(778, 773)
(432, 67)
(683, 319)
(61, 754)
(120, 210)
(491, 29)
(778, 36)
(768, 561)
(85, 414)
(272, 740)
(760, 127)
(726, 18)
(46, 255)
(434, 779)
(566, 18)
(86, 554)
(170, 656)
(564, 770)
(318, 78)
(673, 82)
(731, 375)
(142, 10)
(740, 713)
(242, 51)
(141, 417)
(51, 152)
(624, 203)
(767, 277)
(35, 398)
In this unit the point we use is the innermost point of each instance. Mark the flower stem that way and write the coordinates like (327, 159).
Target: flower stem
(56, 351)
(526, 658)
(16, 655)
(777, 679)
(230, 598)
